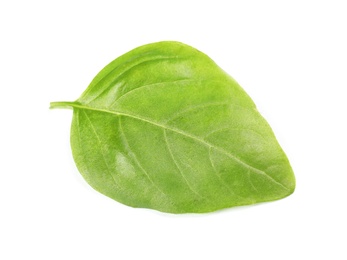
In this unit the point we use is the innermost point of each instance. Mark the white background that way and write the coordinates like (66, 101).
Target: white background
(289, 56)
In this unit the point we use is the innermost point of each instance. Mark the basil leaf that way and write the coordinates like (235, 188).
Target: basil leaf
(163, 127)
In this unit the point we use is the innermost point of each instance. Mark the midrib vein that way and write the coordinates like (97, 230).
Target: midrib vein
(175, 130)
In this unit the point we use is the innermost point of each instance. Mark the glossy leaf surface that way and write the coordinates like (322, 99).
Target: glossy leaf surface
(163, 127)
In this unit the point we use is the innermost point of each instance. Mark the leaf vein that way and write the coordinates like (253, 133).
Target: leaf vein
(219, 177)
(148, 85)
(176, 164)
(89, 89)
(232, 129)
(181, 132)
(100, 147)
(192, 108)
(135, 157)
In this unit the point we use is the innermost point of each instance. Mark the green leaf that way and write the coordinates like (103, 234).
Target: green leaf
(163, 127)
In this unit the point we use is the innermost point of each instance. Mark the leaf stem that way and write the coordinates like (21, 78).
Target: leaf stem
(62, 104)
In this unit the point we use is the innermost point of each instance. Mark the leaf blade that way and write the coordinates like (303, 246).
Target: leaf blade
(177, 135)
